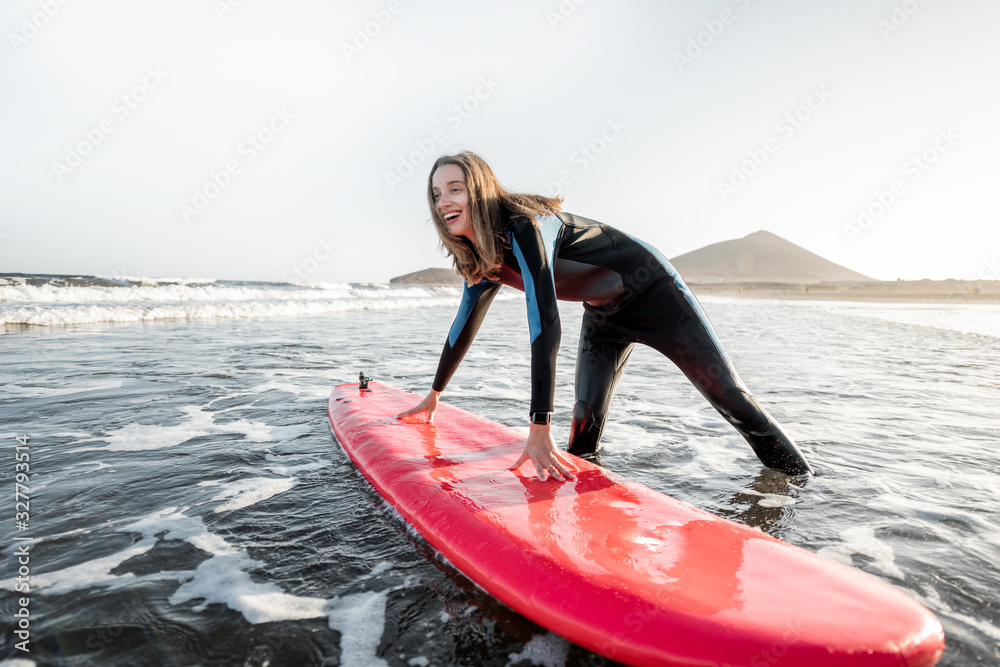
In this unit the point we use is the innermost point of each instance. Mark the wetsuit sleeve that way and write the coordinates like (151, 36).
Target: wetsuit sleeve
(476, 301)
(534, 246)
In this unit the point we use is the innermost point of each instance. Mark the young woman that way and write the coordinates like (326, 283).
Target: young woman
(630, 293)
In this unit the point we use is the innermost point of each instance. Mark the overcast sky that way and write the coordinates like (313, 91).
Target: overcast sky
(270, 140)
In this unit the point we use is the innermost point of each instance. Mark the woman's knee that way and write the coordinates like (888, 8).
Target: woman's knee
(585, 433)
(582, 412)
(741, 409)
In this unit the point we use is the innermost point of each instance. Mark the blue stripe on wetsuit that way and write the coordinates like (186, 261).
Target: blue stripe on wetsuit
(532, 250)
(549, 227)
(688, 294)
(476, 300)
(470, 297)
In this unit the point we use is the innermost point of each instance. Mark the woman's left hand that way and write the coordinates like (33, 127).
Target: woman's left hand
(429, 406)
(548, 459)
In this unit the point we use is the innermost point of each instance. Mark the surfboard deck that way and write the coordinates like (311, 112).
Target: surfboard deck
(616, 567)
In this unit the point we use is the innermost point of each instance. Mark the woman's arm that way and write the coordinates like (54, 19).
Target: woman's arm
(534, 246)
(476, 301)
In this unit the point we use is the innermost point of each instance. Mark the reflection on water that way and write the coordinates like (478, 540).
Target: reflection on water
(768, 498)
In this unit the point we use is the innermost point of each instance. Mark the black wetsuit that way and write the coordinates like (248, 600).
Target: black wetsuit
(631, 294)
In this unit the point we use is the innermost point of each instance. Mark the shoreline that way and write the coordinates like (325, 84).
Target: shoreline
(955, 292)
(950, 291)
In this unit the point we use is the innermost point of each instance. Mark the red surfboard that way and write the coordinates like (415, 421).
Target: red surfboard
(611, 565)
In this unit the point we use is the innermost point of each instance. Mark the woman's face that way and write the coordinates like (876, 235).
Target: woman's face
(451, 199)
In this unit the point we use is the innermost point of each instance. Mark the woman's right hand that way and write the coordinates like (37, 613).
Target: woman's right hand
(428, 405)
(548, 459)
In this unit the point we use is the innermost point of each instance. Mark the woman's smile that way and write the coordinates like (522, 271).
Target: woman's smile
(451, 199)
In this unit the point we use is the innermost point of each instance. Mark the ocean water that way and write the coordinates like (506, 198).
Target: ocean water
(190, 506)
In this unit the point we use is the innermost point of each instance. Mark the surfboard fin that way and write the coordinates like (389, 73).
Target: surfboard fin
(363, 381)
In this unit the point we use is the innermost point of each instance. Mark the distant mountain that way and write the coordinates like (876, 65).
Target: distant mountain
(759, 257)
(428, 277)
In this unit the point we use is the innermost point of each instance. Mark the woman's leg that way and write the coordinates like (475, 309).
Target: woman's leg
(599, 364)
(673, 323)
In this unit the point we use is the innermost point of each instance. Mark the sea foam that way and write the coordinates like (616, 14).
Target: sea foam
(224, 579)
(56, 303)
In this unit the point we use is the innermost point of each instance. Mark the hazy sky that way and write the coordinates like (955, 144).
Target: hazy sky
(258, 139)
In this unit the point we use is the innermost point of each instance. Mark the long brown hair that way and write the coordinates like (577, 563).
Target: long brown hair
(489, 206)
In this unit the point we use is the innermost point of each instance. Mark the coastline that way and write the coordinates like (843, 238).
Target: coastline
(900, 291)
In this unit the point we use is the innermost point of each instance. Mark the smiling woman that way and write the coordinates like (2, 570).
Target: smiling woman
(472, 237)
(630, 293)
(452, 198)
